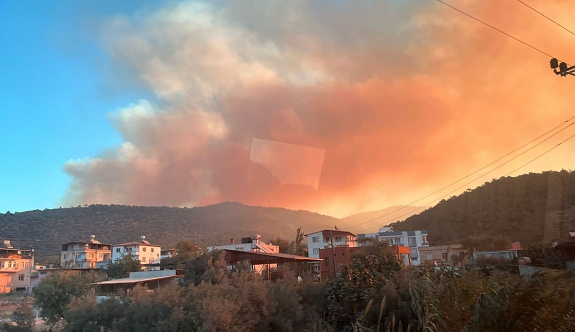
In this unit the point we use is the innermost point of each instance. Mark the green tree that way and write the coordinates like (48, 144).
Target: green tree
(187, 251)
(56, 291)
(122, 267)
(300, 247)
(363, 280)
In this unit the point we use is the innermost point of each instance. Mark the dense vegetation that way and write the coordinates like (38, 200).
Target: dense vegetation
(372, 294)
(46, 230)
(529, 208)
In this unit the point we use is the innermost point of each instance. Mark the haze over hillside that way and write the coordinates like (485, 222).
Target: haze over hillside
(529, 208)
(362, 222)
(211, 225)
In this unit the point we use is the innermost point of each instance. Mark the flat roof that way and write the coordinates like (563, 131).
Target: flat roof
(131, 280)
(257, 258)
(334, 231)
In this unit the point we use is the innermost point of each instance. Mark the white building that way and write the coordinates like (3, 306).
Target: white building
(251, 243)
(412, 239)
(326, 238)
(148, 254)
(85, 254)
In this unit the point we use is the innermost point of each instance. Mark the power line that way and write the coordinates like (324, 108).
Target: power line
(550, 19)
(476, 171)
(541, 155)
(496, 29)
(529, 162)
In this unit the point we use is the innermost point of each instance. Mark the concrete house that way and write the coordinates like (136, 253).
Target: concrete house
(250, 243)
(15, 268)
(412, 239)
(327, 238)
(148, 254)
(89, 254)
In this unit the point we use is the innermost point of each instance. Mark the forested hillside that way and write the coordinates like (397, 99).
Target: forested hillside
(216, 224)
(528, 208)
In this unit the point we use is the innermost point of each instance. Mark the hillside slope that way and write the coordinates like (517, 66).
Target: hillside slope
(216, 224)
(528, 208)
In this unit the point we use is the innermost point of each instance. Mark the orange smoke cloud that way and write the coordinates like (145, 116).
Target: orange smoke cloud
(402, 97)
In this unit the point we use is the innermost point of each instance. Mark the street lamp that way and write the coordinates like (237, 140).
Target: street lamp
(563, 68)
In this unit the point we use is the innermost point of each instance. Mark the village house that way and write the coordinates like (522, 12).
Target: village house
(15, 267)
(250, 243)
(335, 258)
(329, 238)
(446, 255)
(412, 239)
(148, 254)
(85, 254)
(39, 273)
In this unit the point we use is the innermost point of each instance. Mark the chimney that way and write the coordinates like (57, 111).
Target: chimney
(7, 244)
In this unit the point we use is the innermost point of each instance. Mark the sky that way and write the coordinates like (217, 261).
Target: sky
(336, 107)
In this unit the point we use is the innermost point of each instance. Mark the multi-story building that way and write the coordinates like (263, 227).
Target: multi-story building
(250, 243)
(15, 268)
(329, 238)
(148, 254)
(334, 259)
(85, 254)
(412, 239)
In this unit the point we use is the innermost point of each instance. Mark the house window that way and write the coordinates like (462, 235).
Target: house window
(326, 239)
(428, 256)
(315, 239)
(338, 239)
(118, 250)
(144, 249)
(326, 261)
(411, 242)
(143, 259)
(152, 249)
(316, 251)
(21, 277)
(91, 256)
(43, 272)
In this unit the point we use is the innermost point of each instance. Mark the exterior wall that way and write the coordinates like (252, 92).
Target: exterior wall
(37, 275)
(431, 255)
(15, 268)
(412, 239)
(255, 245)
(505, 254)
(85, 255)
(323, 239)
(334, 260)
(146, 253)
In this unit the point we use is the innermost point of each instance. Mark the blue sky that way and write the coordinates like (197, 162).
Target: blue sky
(53, 99)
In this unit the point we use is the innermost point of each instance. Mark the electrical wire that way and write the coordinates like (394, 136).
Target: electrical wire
(476, 171)
(556, 146)
(550, 19)
(496, 29)
(532, 160)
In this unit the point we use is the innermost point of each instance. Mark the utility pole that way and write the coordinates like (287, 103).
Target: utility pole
(564, 70)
